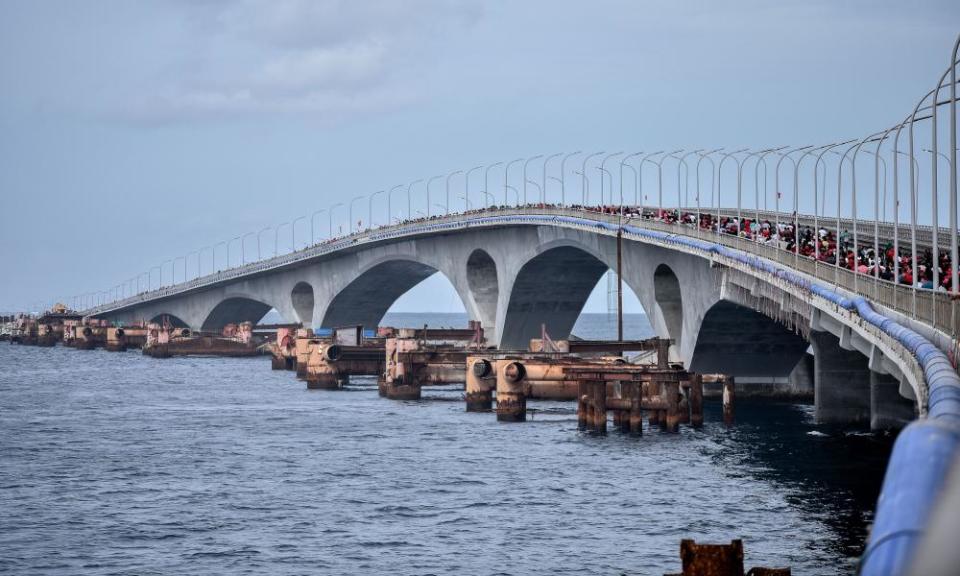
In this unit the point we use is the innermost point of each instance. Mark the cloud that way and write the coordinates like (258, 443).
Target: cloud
(330, 58)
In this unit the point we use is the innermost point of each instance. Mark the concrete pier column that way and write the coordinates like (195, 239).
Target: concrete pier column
(326, 380)
(888, 409)
(511, 399)
(801, 379)
(841, 382)
(653, 390)
(670, 394)
(696, 400)
(479, 385)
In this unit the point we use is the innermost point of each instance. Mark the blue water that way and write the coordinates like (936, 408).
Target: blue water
(121, 464)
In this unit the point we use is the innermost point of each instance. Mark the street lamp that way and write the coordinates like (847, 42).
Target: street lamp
(447, 197)
(466, 179)
(623, 162)
(390, 204)
(486, 182)
(429, 181)
(352, 201)
(720, 179)
(506, 174)
(313, 237)
(525, 164)
(229, 242)
(265, 228)
(563, 176)
(276, 237)
(243, 254)
(370, 208)
(330, 218)
(585, 184)
(686, 179)
(409, 186)
(293, 232)
(539, 188)
(644, 160)
(543, 197)
(603, 165)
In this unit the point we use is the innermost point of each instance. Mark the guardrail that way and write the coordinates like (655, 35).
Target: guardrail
(935, 308)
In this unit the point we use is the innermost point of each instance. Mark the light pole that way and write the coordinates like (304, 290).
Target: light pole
(623, 162)
(585, 184)
(720, 179)
(539, 188)
(313, 236)
(184, 258)
(816, 221)
(150, 277)
(352, 201)
(409, 206)
(370, 208)
(603, 169)
(466, 179)
(330, 217)
(486, 183)
(516, 195)
(430, 181)
(762, 159)
(543, 197)
(686, 178)
(200, 257)
(447, 197)
(229, 242)
(243, 255)
(659, 164)
(293, 232)
(185, 263)
(215, 254)
(466, 201)
(276, 237)
(390, 204)
(264, 229)
(506, 174)
(883, 161)
(563, 176)
(525, 164)
(645, 159)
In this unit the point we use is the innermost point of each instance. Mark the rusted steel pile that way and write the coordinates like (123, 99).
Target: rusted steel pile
(165, 341)
(719, 560)
(417, 358)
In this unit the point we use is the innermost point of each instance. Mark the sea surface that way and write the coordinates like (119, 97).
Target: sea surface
(115, 463)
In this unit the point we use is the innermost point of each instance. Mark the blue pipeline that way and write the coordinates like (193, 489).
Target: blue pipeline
(924, 450)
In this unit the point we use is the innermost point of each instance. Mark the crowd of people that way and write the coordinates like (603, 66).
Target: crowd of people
(822, 243)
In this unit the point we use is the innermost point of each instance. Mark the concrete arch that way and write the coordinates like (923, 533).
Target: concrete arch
(667, 294)
(367, 298)
(234, 310)
(170, 319)
(549, 289)
(739, 341)
(301, 297)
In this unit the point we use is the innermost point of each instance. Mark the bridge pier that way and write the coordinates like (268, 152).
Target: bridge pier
(841, 382)
(888, 409)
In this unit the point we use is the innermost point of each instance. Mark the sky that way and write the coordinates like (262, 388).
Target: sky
(134, 133)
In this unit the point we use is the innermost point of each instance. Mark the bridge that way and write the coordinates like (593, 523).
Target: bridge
(741, 290)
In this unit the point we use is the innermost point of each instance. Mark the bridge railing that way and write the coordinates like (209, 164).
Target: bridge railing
(937, 309)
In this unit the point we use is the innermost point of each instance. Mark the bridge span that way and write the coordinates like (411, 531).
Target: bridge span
(519, 268)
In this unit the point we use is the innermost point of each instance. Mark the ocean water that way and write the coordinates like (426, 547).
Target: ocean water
(115, 463)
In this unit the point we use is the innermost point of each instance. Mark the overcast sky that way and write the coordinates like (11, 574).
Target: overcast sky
(135, 132)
